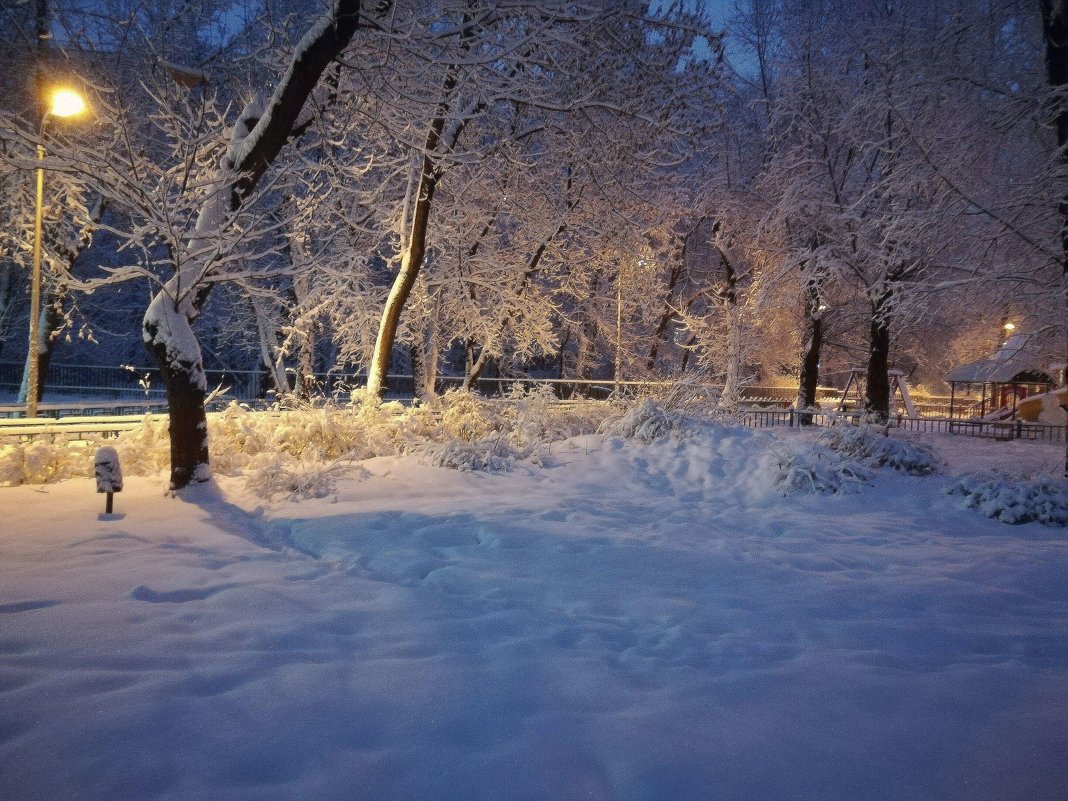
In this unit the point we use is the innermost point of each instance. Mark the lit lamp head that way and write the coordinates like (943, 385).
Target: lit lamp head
(66, 103)
(1009, 327)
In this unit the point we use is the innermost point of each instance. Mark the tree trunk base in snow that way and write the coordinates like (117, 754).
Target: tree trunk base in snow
(188, 426)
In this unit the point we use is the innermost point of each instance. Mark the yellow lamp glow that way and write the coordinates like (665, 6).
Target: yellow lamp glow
(66, 103)
(1009, 326)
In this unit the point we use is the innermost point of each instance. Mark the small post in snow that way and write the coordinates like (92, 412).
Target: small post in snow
(108, 474)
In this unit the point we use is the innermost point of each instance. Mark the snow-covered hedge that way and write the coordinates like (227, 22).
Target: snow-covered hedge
(1014, 501)
(310, 439)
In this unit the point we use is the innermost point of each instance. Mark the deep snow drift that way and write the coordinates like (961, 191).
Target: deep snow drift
(631, 621)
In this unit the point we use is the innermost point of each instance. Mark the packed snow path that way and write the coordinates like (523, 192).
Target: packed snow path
(631, 622)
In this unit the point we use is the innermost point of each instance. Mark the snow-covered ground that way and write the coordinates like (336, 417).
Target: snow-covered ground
(637, 622)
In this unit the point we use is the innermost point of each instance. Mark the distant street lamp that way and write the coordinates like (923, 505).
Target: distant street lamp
(64, 103)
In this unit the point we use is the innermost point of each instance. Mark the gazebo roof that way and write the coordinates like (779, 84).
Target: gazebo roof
(1011, 359)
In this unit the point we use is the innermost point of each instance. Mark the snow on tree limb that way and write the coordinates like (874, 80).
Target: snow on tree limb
(253, 154)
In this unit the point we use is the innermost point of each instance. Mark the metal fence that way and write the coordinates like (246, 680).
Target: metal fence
(102, 381)
(1001, 431)
(142, 386)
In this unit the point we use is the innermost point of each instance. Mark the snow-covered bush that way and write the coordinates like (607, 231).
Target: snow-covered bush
(465, 415)
(43, 461)
(647, 422)
(272, 474)
(492, 454)
(1014, 501)
(810, 472)
(872, 447)
(145, 450)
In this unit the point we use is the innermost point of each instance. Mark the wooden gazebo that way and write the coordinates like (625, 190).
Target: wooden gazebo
(1004, 379)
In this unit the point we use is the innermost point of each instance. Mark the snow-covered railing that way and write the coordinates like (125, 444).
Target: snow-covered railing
(69, 428)
(84, 409)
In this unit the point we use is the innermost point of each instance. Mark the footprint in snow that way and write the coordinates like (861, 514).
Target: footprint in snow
(143, 593)
(26, 606)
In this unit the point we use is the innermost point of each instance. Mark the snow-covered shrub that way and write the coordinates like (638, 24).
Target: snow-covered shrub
(465, 415)
(492, 454)
(1014, 501)
(871, 446)
(647, 422)
(536, 418)
(44, 461)
(809, 472)
(145, 450)
(272, 474)
(10, 465)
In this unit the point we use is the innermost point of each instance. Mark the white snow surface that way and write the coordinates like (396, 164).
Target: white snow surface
(633, 621)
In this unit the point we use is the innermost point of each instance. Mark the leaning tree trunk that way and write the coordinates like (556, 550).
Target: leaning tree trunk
(257, 140)
(412, 257)
(877, 391)
(811, 345)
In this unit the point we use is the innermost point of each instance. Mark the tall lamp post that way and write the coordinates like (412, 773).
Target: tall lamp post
(64, 103)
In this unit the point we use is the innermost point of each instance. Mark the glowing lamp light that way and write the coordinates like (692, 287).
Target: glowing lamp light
(66, 103)
(1009, 327)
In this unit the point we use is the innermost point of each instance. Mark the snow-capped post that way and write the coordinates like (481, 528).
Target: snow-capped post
(259, 135)
(108, 474)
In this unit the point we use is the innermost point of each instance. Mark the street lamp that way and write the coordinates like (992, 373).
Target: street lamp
(63, 103)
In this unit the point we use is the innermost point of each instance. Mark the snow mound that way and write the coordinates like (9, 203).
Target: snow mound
(1014, 501)
(711, 463)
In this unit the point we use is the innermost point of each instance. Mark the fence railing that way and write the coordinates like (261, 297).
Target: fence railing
(142, 386)
(246, 385)
(1002, 431)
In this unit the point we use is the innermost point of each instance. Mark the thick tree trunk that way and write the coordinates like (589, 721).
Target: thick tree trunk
(732, 379)
(877, 391)
(811, 345)
(474, 365)
(188, 426)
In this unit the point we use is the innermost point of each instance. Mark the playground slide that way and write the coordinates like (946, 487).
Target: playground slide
(1004, 413)
(1044, 408)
